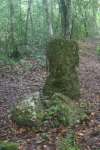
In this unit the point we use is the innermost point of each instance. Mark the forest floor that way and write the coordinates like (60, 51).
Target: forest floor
(18, 83)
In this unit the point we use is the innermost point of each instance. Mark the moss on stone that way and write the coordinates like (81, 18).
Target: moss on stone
(63, 60)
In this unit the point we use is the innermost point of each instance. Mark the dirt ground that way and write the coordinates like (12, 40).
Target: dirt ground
(17, 84)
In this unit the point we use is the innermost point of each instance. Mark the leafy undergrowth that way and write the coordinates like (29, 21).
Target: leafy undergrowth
(8, 146)
(60, 113)
(5, 60)
(24, 61)
(68, 142)
(98, 50)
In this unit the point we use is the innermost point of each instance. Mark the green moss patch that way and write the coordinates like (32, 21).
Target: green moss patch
(23, 114)
(98, 50)
(63, 59)
(8, 146)
(68, 143)
(62, 111)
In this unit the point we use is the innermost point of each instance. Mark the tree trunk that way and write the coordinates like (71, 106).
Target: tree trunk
(11, 6)
(47, 7)
(63, 60)
(94, 9)
(27, 19)
(65, 10)
(20, 9)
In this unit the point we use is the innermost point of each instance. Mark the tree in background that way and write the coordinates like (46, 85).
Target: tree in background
(84, 18)
(65, 10)
(28, 16)
(48, 13)
(27, 25)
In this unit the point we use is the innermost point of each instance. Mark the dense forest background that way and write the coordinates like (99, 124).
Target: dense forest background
(26, 25)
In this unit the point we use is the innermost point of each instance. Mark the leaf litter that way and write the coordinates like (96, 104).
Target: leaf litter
(18, 83)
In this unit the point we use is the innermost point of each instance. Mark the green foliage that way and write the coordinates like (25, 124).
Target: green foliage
(84, 18)
(68, 143)
(24, 29)
(63, 59)
(6, 60)
(98, 50)
(24, 115)
(39, 56)
(55, 115)
(8, 146)
(61, 111)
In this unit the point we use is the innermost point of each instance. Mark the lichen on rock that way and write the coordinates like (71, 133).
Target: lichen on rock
(63, 60)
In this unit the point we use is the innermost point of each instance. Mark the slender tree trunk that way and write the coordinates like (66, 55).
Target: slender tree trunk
(47, 7)
(12, 42)
(11, 23)
(20, 9)
(94, 9)
(84, 16)
(27, 19)
(50, 17)
(31, 19)
(65, 10)
(72, 29)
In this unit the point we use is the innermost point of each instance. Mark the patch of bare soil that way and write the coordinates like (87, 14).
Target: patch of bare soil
(16, 85)
(90, 92)
(89, 74)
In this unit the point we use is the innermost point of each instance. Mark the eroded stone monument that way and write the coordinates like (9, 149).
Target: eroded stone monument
(63, 61)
